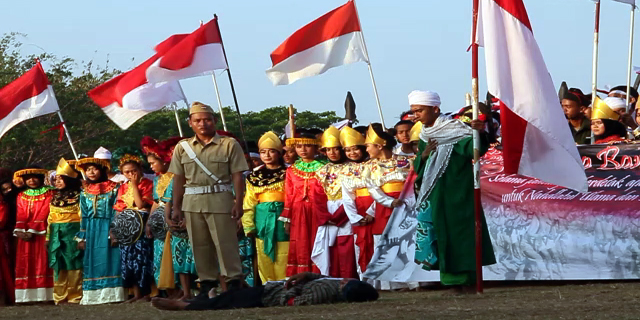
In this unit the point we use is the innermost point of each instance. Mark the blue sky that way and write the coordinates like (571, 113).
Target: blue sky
(412, 45)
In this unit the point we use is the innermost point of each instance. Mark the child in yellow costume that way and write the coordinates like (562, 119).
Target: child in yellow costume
(263, 204)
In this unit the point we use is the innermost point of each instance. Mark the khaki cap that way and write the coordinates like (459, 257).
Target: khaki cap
(199, 107)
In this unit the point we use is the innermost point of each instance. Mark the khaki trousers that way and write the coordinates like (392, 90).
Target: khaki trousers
(215, 245)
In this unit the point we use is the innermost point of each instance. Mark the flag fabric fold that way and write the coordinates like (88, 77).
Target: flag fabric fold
(184, 56)
(129, 96)
(29, 96)
(537, 141)
(631, 2)
(332, 40)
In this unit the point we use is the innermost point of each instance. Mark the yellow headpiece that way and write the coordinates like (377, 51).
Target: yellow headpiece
(349, 137)
(601, 110)
(415, 131)
(81, 163)
(65, 169)
(331, 138)
(34, 171)
(373, 138)
(270, 140)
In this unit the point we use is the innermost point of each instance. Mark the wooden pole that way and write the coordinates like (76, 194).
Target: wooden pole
(373, 80)
(594, 66)
(233, 90)
(292, 125)
(476, 152)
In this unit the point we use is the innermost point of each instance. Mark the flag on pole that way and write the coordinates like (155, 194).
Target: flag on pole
(537, 141)
(332, 40)
(129, 96)
(188, 55)
(29, 96)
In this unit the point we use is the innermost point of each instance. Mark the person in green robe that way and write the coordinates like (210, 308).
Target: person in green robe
(444, 188)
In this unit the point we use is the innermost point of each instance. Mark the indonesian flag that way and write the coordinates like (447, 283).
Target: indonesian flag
(29, 96)
(332, 40)
(129, 96)
(536, 138)
(188, 55)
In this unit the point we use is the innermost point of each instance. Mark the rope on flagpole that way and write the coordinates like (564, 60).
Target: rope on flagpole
(630, 65)
(373, 80)
(594, 74)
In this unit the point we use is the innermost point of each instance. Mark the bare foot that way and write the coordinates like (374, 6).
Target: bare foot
(132, 300)
(167, 304)
(460, 290)
(185, 297)
(212, 293)
(143, 299)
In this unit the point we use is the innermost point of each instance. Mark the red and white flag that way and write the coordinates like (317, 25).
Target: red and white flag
(332, 40)
(537, 141)
(29, 96)
(184, 56)
(129, 96)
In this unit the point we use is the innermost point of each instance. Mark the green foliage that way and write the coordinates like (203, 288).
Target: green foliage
(90, 128)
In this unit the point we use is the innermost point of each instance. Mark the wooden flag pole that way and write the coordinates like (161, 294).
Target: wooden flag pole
(215, 86)
(373, 81)
(233, 90)
(292, 125)
(476, 151)
(594, 67)
(630, 65)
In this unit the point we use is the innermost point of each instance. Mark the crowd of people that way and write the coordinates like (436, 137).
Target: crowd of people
(310, 208)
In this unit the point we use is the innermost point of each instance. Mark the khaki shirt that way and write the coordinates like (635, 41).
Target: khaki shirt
(222, 156)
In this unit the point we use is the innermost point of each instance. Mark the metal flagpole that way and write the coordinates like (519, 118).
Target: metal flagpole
(373, 81)
(630, 66)
(233, 90)
(175, 111)
(476, 151)
(594, 74)
(215, 85)
(66, 131)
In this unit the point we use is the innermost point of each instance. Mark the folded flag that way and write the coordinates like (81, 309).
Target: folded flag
(332, 40)
(537, 141)
(184, 56)
(129, 96)
(29, 96)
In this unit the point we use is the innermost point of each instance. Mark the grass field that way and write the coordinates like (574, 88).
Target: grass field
(620, 300)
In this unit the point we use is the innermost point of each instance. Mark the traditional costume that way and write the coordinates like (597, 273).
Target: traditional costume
(356, 200)
(64, 223)
(102, 277)
(445, 185)
(137, 257)
(305, 200)
(34, 278)
(334, 248)
(7, 223)
(263, 204)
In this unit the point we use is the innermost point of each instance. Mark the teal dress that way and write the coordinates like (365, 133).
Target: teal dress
(102, 278)
(446, 234)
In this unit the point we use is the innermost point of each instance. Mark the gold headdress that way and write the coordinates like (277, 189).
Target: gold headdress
(65, 169)
(349, 137)
(269, 140)
(415, 131)
(86, 161)
(331, 138)
(373, 138)
(602, 111)
(24, 172)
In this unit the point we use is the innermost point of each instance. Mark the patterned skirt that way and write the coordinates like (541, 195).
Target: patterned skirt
(182, 256)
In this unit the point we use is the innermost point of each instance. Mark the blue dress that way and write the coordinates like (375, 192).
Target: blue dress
(102, 279)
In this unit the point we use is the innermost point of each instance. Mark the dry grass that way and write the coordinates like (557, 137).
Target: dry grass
(573, 301)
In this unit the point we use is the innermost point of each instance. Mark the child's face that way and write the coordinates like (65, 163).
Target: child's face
(32, 181)
(306, 151)
(403, 133)
(59, 183)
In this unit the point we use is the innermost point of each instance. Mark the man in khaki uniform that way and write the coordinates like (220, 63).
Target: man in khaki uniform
(204, 198)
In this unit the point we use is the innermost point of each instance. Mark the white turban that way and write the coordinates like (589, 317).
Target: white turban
(424, 98)
(102, 153)
(615, 103)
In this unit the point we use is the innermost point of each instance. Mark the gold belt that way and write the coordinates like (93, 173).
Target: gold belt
(362, 192)
(393, 187)
(271, 196)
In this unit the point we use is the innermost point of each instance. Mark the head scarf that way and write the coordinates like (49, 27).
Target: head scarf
(424, 98)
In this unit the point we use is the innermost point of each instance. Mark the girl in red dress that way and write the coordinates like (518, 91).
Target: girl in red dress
(304, 201)
(34, 278)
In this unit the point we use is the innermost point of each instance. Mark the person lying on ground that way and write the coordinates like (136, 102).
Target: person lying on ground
(301, 289)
